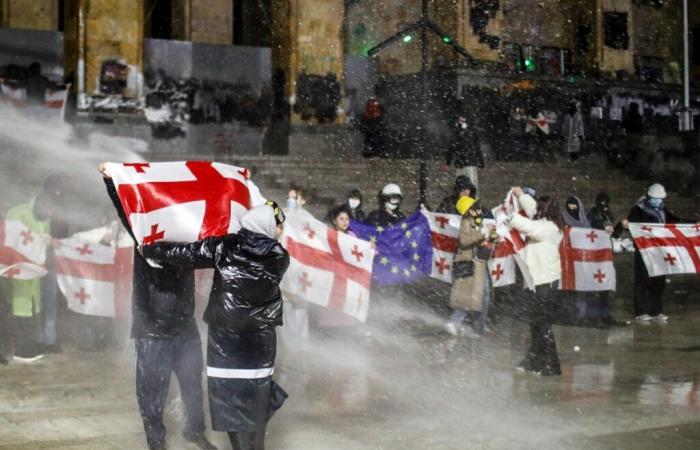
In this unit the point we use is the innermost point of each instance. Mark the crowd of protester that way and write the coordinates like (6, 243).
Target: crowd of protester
(165, 331)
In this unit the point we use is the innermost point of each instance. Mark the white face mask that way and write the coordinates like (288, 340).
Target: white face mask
(353, 203)
(391, 206)
(291, 203)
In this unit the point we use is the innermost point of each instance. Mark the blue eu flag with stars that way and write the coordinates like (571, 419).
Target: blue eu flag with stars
(404, 250)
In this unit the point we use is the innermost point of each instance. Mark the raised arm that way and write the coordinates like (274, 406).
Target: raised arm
(533, 229)
(112, 192)
(198, 255)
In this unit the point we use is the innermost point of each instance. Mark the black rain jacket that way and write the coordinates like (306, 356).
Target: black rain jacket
(162, 302)
(245, 295)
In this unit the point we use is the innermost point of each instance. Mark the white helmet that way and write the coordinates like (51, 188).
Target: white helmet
(391, 189)
(656, 190)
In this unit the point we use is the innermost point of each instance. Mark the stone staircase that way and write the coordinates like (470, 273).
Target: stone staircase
(329, 179)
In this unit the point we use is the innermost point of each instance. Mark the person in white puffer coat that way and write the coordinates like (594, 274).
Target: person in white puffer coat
(541, 255)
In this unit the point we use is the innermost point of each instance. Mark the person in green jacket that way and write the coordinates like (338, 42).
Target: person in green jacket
(25, 295)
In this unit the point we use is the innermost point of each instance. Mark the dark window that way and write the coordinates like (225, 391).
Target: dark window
(251, 23)
(616, 35)
(61, 15)
(161, 19)
(583, 34)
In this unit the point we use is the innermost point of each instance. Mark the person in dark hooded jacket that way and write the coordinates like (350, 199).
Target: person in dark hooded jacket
(166, 340)
(601, 218)
(389, 211)
(245, 306)
(649, 291)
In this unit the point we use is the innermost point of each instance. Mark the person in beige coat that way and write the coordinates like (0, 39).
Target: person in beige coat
(469, 272)
(541, 254)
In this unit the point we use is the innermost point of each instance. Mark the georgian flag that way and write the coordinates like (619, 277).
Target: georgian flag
(16, 96)
(445, 235)
(56, 99)
(511, 206)
(668, 249)
(502, 264)
(93, 277)
(22, 251)
(183, 201)
(327, 268)
(586, 260)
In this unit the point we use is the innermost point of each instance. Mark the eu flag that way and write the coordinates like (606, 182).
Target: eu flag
(404, 250)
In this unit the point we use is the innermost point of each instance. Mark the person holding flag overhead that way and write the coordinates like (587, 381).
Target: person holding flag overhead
(541, 254)
(166, 340)
(245, 306)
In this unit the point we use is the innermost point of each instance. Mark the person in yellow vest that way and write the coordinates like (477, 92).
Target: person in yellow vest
(25, 295)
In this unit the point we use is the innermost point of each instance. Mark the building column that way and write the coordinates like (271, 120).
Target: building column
(101, 30)
(307, 37)
(210, 21)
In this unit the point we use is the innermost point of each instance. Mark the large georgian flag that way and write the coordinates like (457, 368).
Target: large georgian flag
(511, 206)
(445, 235)
(586, 260)
(327, 268)
(16, 96)
(668, 249)
(183, 201)
(22, 252)
(94, 278)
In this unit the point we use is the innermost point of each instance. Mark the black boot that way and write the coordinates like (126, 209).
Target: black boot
(200, 440)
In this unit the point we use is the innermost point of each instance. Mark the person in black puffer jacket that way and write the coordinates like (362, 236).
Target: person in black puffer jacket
(166, 340)
(245, 306)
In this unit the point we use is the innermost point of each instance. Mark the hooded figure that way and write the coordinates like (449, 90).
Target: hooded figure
(245, 306)
(574, 214)
(600, 215)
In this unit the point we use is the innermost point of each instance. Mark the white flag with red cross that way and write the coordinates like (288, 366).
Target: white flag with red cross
(586, 260)
(327, 268)
(502, 264)
(15, 96)
(668, 249)
(22, 251)
(511, 206)
(445, 234)
(93, 279)
(183, 201)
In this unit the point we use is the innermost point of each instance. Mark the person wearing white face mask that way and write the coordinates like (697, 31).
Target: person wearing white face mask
(354, 205)
(296, 198)
(648, 291)
(389, 211)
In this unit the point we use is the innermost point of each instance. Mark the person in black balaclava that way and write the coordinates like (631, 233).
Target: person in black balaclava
(601, 218)
(574, 214)
(577, 303)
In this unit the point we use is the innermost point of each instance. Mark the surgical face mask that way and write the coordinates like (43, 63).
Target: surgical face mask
(391, 206)
(291, 203)
(353, 203)
(656, 202)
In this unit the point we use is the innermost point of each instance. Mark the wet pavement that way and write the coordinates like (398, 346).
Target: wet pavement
(412, 387)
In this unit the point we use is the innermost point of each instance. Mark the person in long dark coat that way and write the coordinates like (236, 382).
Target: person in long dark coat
(166, 340)
(245, 306)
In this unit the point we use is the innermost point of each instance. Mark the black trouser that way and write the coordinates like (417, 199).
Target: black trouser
(648, 291)
(248, 440)
(5, 328)
(542, 355)
(155, 359)
(26, 333)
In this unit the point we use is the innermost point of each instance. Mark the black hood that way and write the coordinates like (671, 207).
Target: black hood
(256, 243)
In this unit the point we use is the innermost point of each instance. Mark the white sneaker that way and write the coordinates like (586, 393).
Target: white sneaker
(660, 318)
(470, 333)
(643, 318)
(29, 360)
(451, 328)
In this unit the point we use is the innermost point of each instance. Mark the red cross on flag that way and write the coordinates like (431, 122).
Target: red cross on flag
(668, 249)
(502, 264)
(327, 268)
(586, 260)
(183, 201)
(445, 233)
(22, 251)
(95, 279)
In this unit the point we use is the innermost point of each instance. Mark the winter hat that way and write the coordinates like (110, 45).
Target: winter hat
(602, 198)
(261, 220)
(656, 190)
(464, 204)
(463, 182)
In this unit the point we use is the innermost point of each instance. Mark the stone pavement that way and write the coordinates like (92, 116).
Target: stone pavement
(407, 387)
